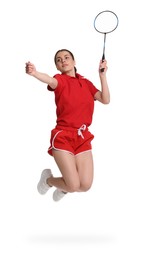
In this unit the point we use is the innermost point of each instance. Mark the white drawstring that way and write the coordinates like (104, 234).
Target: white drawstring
(82, 128)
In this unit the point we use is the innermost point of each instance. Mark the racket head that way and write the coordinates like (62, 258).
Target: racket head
(106, 22)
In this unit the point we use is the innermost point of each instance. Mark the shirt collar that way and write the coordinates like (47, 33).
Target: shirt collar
(78, 76)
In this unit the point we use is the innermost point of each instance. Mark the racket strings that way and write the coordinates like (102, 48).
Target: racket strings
(106, 22)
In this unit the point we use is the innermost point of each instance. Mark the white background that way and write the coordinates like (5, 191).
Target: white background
(111, 220)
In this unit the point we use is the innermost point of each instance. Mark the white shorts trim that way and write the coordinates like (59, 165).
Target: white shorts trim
(55, 148)
(84, 152)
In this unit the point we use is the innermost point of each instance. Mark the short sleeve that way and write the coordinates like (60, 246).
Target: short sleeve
(92, 88)
(49, 88)
(60, 82)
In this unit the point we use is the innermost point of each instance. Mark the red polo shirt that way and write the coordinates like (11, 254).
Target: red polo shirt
(74, 98)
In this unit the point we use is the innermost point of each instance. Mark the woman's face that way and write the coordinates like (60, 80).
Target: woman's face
(64, 62)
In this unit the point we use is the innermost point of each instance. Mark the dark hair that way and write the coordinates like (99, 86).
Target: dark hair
(71, 54)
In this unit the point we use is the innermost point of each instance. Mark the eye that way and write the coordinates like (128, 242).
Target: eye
(67, 57)
(58, 60)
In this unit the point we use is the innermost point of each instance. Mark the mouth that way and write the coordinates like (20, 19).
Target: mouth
(64, 65)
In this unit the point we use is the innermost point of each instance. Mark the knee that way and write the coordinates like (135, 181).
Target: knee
(77, 186)
(85, 186)
(73, 187)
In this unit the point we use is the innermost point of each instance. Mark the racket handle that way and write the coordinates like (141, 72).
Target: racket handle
(103, 58)
(102, 70)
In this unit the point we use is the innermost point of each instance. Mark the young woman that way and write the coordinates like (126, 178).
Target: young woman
(71, 139)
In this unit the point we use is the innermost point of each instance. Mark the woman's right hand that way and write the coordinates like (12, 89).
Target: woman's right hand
(30, 68)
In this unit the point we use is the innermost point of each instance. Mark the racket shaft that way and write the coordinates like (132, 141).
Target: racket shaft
(103, 56)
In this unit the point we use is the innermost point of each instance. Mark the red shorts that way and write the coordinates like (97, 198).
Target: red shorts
(71, 140)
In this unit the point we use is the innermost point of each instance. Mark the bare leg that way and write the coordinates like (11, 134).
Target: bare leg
(84, 162)
(69, 182)
(77, 171)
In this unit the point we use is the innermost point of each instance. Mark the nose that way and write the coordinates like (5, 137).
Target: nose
(63, 60)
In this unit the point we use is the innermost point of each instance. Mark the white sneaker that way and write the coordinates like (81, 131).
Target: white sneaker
(42, 186)
(58, 194)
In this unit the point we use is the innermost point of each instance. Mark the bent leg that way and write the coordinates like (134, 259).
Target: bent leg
(84, 162)
(66, 162)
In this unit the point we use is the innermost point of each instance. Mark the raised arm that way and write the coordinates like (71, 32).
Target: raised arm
(31, 70)
(103, 95)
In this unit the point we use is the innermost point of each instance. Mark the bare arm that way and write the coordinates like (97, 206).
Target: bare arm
(31, 70)
(103, 95)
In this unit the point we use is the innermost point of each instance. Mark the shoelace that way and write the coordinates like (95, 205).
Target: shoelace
(82, 128)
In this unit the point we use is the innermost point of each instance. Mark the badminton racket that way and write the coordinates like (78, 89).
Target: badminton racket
(105, 22)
